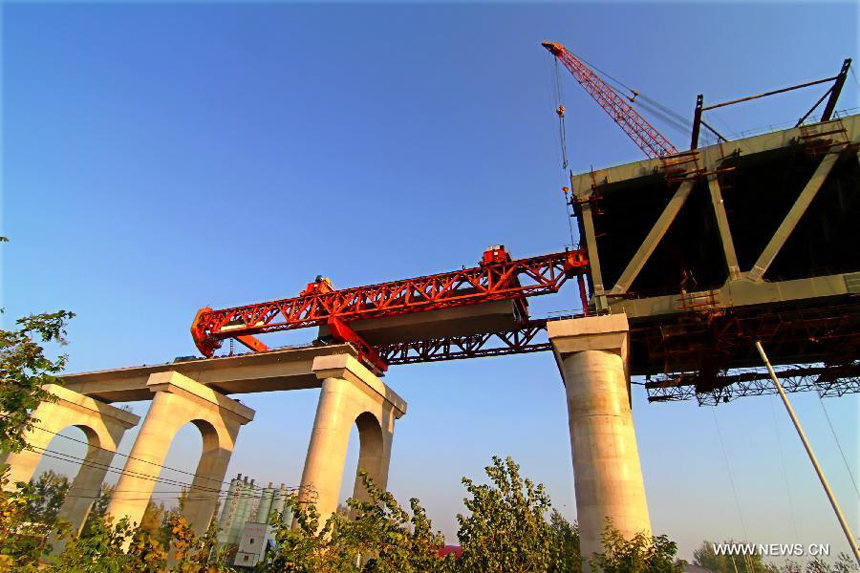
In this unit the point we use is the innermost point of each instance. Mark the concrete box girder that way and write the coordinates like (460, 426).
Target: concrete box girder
(457, 321)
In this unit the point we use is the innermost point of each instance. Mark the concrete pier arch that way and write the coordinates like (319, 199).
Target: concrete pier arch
(350, 394)
(103, 427)
(177, 401)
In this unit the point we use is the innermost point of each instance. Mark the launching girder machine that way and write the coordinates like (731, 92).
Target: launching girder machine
(496, 278)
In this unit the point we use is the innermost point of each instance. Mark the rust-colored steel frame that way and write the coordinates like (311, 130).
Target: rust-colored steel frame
(494, 281)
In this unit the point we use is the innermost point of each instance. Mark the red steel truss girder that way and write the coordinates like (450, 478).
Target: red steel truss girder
(497, 281)
(515, 341)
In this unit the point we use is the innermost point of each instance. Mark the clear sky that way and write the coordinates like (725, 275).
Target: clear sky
(162, 157)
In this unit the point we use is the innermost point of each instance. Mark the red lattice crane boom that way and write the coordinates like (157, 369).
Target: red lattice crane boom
(640, 131)
(496, 278)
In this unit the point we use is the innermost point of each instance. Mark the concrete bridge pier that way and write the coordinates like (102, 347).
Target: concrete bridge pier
(592, 355)
(103, 426)
(350, 394)
(178, 400)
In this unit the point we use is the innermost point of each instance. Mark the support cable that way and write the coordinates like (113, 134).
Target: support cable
(838, 445)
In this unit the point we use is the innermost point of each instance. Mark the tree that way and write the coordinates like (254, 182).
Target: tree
(388, 539)
(102, 551)
(641, 554)
(170, 516)
(706, 557)
(22, 541)
(565, 544)
(194, 554)
(99, 508)
(151, 523)
(306, 547)
(25, 370)
(376, 535)
(506, 531)
(843, 564)
(49, 493)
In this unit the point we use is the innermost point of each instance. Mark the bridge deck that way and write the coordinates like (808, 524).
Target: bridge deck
(283, 369)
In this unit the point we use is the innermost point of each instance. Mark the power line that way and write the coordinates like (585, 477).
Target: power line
(838, 445)
(729, 470)
(157, 479)
(86, 443)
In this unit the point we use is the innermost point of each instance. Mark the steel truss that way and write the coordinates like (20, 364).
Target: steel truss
(696, 352)
(516, 341)
(825, 380)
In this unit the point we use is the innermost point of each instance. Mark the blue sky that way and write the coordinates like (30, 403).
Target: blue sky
(162, 157)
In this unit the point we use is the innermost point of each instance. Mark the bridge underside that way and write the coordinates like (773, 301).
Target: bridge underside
(708, 251)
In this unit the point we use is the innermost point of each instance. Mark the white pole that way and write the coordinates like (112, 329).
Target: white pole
(851, 541)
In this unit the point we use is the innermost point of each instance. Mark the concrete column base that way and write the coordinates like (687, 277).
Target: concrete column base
(592, 355)
(178, 400)
(350, 394)
(103, 426)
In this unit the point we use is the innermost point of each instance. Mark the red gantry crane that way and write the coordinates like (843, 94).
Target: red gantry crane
(496, 278)
(640, 131)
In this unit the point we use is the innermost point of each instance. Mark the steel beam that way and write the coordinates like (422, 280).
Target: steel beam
(723, 226)
(595, 274)
(793, 217)
(654, 236)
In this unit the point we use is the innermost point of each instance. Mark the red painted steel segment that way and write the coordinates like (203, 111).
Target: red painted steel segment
(366, 353)
(497, 278)
(634, 125)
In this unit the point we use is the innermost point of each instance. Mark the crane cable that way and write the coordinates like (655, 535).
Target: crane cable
(666, 114)
(559, 111)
